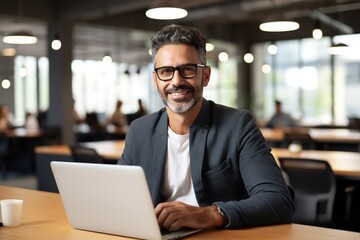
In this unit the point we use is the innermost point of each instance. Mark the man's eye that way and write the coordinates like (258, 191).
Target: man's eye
(166, 71)
(188, 69)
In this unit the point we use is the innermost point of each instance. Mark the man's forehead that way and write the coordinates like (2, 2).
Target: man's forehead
(174, 51)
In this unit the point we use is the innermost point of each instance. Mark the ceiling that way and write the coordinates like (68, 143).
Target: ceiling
(123, 29)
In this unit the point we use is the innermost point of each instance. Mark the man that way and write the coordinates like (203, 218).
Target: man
(281, 119)
(6, 118)
(207, 165)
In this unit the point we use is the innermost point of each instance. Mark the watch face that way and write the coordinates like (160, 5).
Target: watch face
(220, 211)
(226, 218)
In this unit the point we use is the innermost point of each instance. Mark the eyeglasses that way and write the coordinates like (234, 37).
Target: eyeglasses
(185, 71)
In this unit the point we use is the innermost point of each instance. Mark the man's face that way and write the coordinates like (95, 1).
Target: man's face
(180, 94)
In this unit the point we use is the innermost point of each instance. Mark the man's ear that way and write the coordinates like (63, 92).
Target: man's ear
(154, 77)
(207, 72)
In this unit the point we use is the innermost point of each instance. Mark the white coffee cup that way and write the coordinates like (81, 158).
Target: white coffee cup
(11, 212)
(295, 148)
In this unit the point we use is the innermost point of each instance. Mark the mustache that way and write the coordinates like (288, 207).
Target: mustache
(179, 88)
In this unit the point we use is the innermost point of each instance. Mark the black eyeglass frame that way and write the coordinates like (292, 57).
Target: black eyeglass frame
(196, 65)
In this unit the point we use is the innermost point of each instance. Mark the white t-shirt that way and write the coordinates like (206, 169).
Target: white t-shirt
(178, 185)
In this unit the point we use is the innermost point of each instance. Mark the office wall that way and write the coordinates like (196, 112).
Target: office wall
(7, 72)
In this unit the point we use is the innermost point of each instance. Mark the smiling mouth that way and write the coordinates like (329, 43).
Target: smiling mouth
(179, 96)
(179, 91)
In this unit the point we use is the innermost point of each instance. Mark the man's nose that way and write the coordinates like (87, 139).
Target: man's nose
(177, 78)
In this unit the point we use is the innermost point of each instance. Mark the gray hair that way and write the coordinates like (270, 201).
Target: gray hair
(177, 34)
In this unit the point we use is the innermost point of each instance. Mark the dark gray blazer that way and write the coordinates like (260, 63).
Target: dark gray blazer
(231, 164)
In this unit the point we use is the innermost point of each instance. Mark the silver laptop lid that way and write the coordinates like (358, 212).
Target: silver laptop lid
(107, 198)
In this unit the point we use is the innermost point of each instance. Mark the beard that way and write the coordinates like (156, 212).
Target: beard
(181, 106)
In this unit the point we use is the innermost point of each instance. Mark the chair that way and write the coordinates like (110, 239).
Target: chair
(315, 190)
(4, 146)
(7, 152)
(85, 154)
(301, 137)
(92, 120)
(354, 123)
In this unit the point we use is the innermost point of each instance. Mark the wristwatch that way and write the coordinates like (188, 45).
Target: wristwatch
(221, 212)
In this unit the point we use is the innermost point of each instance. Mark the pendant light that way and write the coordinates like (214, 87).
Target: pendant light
(317, 32)
(56, 42)
(165, 10)
(338, 49)
(107, 58)
(20, 37)
(279, 26)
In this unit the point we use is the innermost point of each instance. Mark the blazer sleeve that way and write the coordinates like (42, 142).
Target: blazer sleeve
(269, 200)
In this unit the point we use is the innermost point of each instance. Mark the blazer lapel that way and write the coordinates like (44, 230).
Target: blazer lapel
(159, 142)
(198, 137)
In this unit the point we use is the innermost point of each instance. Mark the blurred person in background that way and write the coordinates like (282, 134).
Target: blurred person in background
(118, 119)
(6, 118)
(281, 119)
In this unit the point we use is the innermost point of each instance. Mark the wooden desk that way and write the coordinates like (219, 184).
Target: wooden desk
(326, 139)
(318, 135)
(273, 134)
(107, 149)
(23, 133)
(21, 145)
(335, 135)
(44, 217)
(111, 150)
(344, 164)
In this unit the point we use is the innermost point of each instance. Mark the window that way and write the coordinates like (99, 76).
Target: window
(31, 76)
(222, 87)
(109, 83)
(301, 77)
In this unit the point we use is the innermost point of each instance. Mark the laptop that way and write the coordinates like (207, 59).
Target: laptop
(109, 198)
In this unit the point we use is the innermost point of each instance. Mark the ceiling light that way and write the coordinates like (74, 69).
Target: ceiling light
(338, 49)
(266, 68)
(5, 83)
(248, 58)
(223, 57)
(23, 72)
(209, 47)
(317, 32)
(107, 58)
(272, 49)
(279, 26)
(20, 37)
(56, 43)
(166, 13)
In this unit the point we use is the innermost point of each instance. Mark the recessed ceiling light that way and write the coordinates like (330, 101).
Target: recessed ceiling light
(166, 13)
(279, 26)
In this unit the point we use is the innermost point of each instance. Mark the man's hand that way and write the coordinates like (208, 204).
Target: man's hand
(175, 215)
